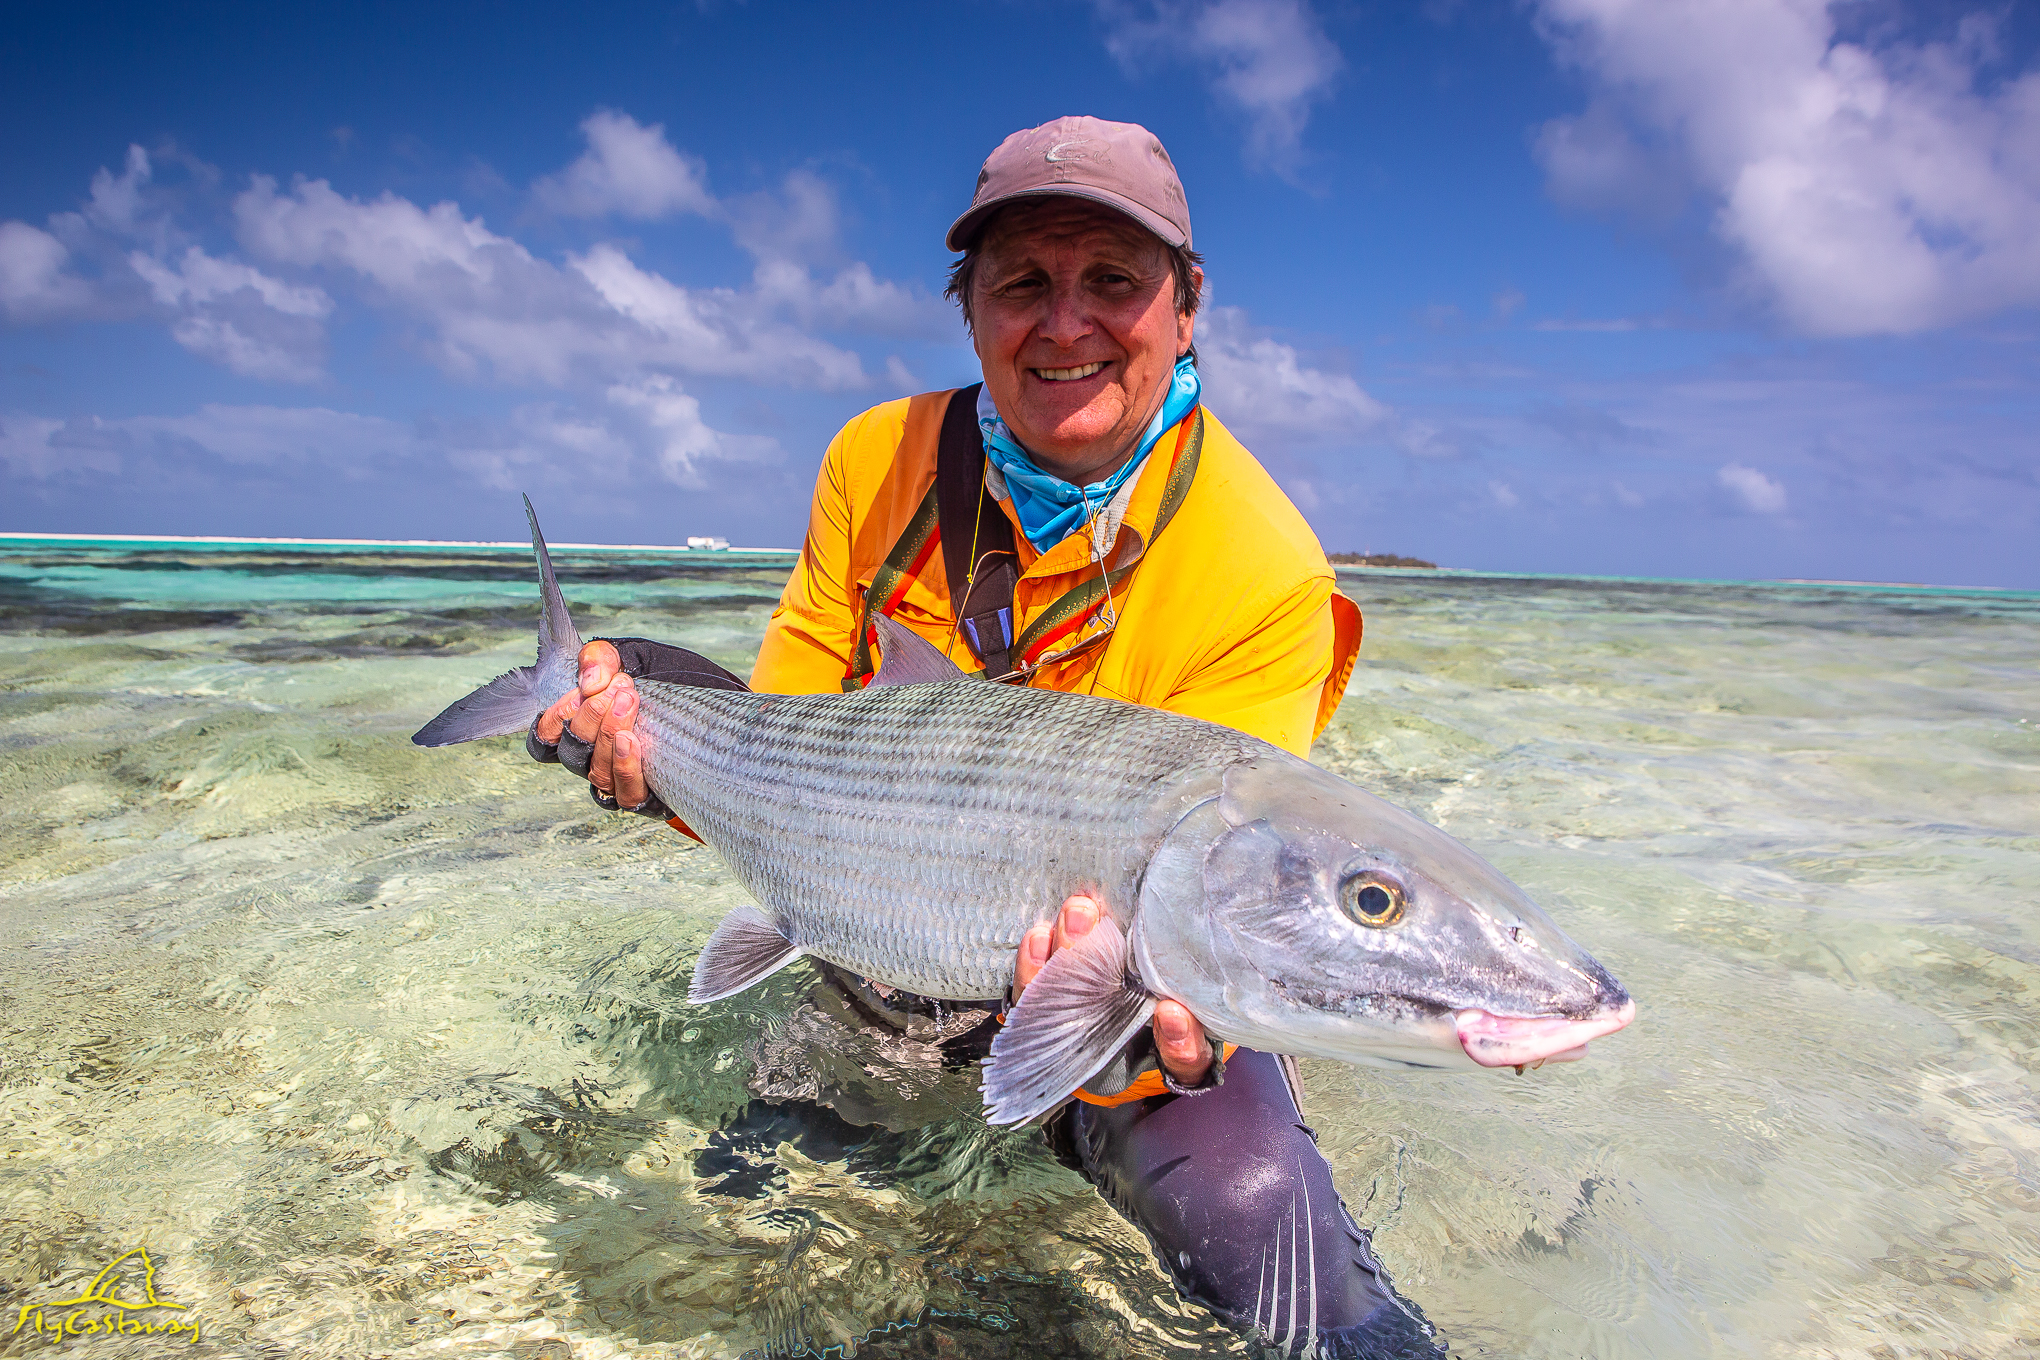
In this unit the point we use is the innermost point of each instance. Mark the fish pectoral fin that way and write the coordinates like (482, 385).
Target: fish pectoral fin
(747, 948)
(907, 658)
(1069, 1022)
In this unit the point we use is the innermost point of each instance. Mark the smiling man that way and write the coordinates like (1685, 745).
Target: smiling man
(1080, 522)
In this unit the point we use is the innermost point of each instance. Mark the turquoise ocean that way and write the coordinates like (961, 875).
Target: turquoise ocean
(380, 1051)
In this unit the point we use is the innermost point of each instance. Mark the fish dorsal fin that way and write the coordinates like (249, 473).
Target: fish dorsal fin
(747, 948)
(1069, 1022)
(556, 631)
(907, 658)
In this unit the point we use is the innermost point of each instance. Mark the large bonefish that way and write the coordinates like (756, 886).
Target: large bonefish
(912, 832)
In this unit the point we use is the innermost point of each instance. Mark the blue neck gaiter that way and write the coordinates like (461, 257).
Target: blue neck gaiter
(1051, 509)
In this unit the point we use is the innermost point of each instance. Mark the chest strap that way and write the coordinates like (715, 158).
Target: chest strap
(982, 566)
(981, 562)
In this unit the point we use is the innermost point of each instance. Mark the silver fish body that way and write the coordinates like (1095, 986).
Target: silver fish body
(913, 832)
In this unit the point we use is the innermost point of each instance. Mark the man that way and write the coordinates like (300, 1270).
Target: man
(1107, 535)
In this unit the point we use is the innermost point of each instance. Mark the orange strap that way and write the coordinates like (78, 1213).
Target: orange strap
(1145, 1085)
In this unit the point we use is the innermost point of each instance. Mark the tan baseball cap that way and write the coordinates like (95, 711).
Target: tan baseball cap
(1121, 165)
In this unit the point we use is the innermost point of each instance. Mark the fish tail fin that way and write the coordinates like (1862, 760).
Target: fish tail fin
(510, 702)
(559, 642)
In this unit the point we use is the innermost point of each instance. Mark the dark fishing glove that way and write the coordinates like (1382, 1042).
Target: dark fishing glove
(641, 659)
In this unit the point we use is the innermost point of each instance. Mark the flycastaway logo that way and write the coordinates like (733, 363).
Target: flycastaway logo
(102, 1311)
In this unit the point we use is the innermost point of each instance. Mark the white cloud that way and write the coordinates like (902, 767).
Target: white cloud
(494, 306)
(33, 447)
(680, 441)
(715, 331)
(1761, 494)
(629, 170)
(182, 446)
(1870, 189)
(797, 223)
(477, 303)
(236, 315)
(1261, 386)
(33, 283)
(855, 300)
(1271, 59)
(1504, 494)
(789, 231)
(1593, 162)
(117, 199)
(199, 279)
(647, 428)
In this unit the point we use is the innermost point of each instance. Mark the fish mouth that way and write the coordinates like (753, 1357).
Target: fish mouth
(1519, 1042)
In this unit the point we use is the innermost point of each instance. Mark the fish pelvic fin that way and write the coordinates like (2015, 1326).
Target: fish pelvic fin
(1069, 1022)
(907, 658)
(747, 948)
(510, 702)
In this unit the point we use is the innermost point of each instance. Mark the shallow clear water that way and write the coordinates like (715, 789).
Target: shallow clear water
(385, 1051)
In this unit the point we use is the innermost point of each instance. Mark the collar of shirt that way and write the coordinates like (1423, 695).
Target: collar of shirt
(1050, 509)
(1120, 533)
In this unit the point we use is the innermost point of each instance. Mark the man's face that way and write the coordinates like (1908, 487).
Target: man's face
(1073, 313)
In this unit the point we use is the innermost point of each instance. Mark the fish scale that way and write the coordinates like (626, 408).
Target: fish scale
(914, 833)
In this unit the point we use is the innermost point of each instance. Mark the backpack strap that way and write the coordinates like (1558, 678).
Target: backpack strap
(908, 556)
(978, 553)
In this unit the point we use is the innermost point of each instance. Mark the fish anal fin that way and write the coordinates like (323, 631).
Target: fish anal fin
(907, 658)
(1071, 1019)
(747, 948)
(685, 830)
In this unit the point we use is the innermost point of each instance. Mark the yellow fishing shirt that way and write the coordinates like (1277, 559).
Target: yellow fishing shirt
(1231, 615)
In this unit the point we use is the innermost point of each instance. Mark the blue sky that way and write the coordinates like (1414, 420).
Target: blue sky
(1678, 288)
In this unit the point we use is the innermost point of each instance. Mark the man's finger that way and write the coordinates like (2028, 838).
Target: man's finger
(553, 721)
(1180, 1042)
(587, 719)
(1034, 947)
(629, 770)
(1079, 916)
(622, 696)
(599, 665)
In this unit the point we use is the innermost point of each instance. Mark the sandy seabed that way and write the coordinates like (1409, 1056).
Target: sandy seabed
(385, 1052)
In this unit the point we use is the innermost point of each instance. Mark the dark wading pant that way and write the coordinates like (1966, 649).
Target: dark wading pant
(1228, 1185)
(1238, 1203)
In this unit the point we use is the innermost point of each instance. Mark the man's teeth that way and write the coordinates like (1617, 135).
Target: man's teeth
(1067, 374)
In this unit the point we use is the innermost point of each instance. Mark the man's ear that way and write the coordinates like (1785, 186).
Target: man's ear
(1186, 322)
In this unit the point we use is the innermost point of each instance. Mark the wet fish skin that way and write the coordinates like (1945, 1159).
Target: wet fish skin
(913, 832)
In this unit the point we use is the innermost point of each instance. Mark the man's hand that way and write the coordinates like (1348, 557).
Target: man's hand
(602, 711)
(1179, 1039)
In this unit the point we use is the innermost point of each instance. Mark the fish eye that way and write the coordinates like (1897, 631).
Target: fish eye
(1372, 898)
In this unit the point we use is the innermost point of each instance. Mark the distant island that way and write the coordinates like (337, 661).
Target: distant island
(1378, 560)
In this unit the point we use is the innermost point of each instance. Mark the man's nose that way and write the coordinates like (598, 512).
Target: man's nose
(1067, 318)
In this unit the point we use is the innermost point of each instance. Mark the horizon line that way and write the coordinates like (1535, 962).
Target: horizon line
(16, 536)
(524, 544)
